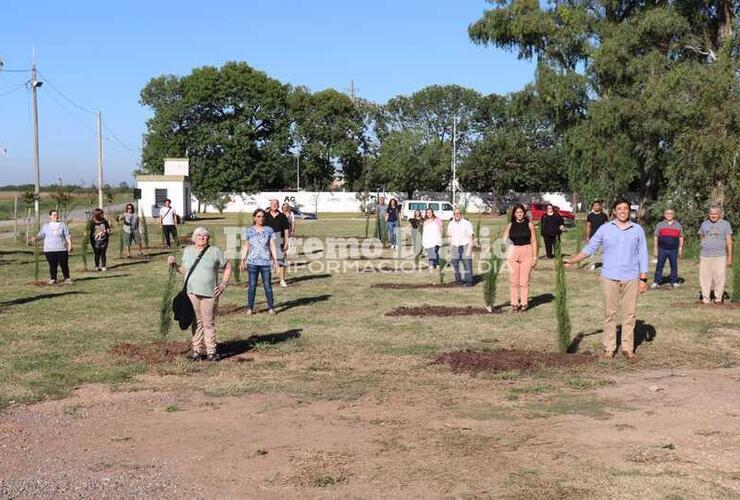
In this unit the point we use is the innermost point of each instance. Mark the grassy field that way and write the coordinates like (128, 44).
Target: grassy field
(331, 340)
(80, 202)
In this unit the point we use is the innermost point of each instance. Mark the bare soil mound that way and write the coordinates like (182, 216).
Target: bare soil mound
(153, 352)
(505, 360)
(443, 311)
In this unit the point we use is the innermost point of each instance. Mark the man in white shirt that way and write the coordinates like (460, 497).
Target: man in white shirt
(168, 221)
(460, 232)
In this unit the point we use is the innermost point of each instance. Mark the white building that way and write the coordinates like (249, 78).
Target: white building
(173, 185)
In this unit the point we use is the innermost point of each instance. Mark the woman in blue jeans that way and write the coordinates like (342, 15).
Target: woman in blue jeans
(258, 257)
(391, 218)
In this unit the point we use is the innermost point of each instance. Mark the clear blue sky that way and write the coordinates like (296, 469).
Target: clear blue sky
(100, 54)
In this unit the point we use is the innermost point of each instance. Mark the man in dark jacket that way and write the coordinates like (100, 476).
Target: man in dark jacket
(552, 225)
(280, 224)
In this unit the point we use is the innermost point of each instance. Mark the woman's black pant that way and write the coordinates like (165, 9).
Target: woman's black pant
(550, 242)
(170, 235)
(100, 249)
(55, 260)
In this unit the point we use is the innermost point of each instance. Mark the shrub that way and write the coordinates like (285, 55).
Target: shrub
(561, 302)
(489, 287)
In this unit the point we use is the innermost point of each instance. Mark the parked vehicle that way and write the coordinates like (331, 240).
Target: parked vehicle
(537, 210)
(299, 214)
(442, 209)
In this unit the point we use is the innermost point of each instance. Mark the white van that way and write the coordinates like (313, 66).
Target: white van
(442, 209)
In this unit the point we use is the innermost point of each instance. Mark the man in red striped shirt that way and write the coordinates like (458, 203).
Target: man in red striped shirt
(668, 245)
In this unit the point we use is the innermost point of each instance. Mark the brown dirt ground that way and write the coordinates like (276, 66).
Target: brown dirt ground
(660, 434)
(152, 352)
(444, 311)
(504, 360)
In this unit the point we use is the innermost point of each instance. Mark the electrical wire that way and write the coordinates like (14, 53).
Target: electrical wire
(13, 90)
(119, 141)
(73, 103)
(71, 113)
(14, 70)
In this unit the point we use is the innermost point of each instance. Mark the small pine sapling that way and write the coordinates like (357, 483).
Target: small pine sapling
(367, 224)
(120, 242)
(165, 309)
(736, 273)
(36, 259)
(85, 246)
(561, 303)
(144, 230)
(442, 266)
(489, 287)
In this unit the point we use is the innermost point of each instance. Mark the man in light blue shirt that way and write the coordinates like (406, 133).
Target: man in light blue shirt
(623, 274)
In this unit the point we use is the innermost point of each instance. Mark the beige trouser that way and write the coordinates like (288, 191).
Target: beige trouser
(204, 328)
(712, 277)
(616, 294)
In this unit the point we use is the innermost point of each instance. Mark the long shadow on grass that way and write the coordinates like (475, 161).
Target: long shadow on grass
(11, 252)
(307, 277)
(538, 300)
(576, 342)
(130, 263)
(232, 348)
(34, 298)
(644, 332)
(107, 276)
(303, 301)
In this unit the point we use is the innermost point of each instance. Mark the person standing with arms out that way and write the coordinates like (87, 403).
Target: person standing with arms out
(203, 290)
(521, 236)
(280, 225)
(391, 219)
(667, 244)
(431, 238)
(131, 232)
(168, 221)
(57, 247)
(715, 255)
(552, 226)
(594, 221)
(460, 231)
(259, 252)
(623, 274)
(99, 231)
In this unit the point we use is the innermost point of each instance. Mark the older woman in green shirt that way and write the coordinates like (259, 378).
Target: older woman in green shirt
(204, 290)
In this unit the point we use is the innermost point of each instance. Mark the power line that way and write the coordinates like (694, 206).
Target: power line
(13, 90)
(71, 113)
(119, 141)
(73, 103)
(7, 70)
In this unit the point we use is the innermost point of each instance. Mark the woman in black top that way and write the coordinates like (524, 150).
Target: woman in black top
(99, 233)
(552, 226)
(521, 237)
(391, 218)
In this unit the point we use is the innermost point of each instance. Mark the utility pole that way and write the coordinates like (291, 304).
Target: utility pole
(454, 159)
(35, 84)
(100, 159)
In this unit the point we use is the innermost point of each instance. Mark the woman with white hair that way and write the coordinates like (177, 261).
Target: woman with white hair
(203, 289)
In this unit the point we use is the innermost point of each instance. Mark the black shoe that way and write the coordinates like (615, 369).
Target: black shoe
(212, 358)
(195, 357)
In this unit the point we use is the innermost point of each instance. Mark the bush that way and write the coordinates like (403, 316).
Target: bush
(165, 309)
(736, 272)
(489, 287)
(144, 231)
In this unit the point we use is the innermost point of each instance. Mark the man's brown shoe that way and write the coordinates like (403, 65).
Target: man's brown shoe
(629, 355)
(607, 355)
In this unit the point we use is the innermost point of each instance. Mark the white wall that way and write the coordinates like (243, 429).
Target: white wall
(347, 201)
(175, 192)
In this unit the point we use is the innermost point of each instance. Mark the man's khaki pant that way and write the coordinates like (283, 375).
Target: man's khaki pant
(204, 328)
(712, 277)
(619, 294)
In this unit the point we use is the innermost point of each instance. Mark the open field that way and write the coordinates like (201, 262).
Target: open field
(334, 398)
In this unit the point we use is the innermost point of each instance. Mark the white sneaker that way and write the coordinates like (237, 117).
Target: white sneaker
(69, 281)
(283, 283)
(103, 268)
(52, 282)
(592, 267)
(654, 285)
(677, 285)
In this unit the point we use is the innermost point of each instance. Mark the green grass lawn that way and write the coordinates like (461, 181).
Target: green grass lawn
(56, 338)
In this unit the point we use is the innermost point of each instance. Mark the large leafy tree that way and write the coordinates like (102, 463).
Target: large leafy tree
(623, 80)
(232, 122)
(518, 149)
(329, 129)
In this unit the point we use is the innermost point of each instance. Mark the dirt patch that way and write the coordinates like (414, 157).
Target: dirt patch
(699, 303)
(444, 311)
(505, 360)
(411, 286)
(153, 352)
